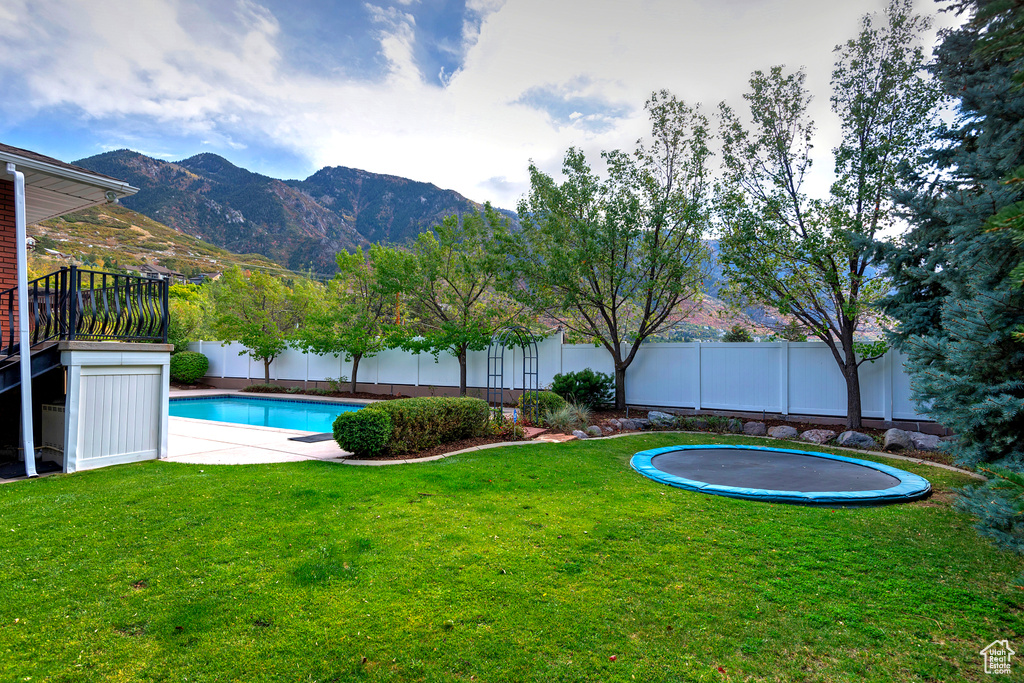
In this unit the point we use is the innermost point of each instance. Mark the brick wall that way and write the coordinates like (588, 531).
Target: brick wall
(8, 256)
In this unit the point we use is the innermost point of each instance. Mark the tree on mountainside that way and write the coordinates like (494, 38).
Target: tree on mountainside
(355, 316)
(262, 312)
(958, 293)
(449, 284)
(813, 259)
(619, 260)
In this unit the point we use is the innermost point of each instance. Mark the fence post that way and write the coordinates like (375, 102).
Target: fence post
(887, 363)
(700, 373)
(784, 378)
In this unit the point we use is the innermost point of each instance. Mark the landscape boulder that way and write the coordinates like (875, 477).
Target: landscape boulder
(594, 430)
(755, 429)
(642, 423)
(615, 424)
(628, 425)
(856, 440)
(818, 436)
(578, 434)
(783, 432)
(734, 426)
(661, 420)
(897, 440)
(924, 442)
(608, 431)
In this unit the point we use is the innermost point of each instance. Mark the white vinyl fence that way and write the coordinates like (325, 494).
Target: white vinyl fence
(798, 378)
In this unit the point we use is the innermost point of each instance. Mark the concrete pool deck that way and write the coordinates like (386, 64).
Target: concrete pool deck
(203, 442)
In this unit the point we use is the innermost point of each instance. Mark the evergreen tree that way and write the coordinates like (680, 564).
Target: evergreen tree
(954, 297)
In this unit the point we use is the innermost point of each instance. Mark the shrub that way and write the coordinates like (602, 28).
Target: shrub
(363, 432)
(263, 389)
(546, 401)
(585, 388)
(188, 366)
(567, 418)
(421, 423)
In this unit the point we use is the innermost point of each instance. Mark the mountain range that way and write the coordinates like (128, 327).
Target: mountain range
(300, 224)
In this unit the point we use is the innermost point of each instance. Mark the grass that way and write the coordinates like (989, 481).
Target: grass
(522, 563)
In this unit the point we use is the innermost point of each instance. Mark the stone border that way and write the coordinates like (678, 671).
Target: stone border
(432, 458)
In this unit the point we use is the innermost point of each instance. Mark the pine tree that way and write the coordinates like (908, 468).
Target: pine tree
(955, 299)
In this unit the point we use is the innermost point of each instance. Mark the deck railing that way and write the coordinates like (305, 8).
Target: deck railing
(74, 303)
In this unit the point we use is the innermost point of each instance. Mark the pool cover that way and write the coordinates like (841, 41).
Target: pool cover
(779, 475)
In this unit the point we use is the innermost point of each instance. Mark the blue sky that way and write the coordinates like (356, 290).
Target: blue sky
(461, 94)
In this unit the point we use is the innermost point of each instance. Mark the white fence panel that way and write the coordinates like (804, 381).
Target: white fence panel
(324, 367)
(576, 357)
(816, 385)
(395, 366)
(740, 376)
(292, 364)
(902, 407)
(799, 378)
(664, 375)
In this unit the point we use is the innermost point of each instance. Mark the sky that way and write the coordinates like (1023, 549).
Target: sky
(463, 94)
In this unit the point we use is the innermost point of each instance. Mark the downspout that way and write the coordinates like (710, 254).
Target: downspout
(24, 350)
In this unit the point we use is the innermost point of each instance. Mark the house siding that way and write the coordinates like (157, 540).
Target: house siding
(8, 255)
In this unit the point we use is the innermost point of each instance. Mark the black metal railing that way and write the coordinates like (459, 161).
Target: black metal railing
(72, 303)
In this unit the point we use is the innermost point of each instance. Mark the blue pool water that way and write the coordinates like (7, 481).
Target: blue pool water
(308, 416)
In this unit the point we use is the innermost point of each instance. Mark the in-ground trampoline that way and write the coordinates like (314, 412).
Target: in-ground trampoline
(779, 475)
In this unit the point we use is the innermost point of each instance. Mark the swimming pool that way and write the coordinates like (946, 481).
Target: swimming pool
(282, 413)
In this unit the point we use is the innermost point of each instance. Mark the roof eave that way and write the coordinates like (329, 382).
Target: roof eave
(121, 188)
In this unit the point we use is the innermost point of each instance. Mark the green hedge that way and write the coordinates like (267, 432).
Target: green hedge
(421, 423)
(547, 401)
(188, 366)
(586, 387)
(363, 432)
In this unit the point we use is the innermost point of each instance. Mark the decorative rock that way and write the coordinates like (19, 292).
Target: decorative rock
(755, 429)
(615, 424)
(660, 419)
(734, 426)
(924, 442)
(594, 430)
(856, 440)
(642, 423)
(783, 432)
(628, 425)
(578, 434)
(897, 440)
(818, 436)
(608, 431)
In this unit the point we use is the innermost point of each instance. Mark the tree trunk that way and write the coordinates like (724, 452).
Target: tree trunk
(266, 370)
(620, 386)
(853, 419)
(462, 371)
(355, 369)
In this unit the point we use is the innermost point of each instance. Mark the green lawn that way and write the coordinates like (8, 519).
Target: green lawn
(521, 563)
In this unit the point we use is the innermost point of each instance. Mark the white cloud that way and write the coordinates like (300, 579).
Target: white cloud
(222, 76)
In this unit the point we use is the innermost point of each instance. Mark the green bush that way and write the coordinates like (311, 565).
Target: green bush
(585, 388)
(263, 389)
(188, 366)
(363, 432)
(421, 423)
(547, 401)
(567, 418)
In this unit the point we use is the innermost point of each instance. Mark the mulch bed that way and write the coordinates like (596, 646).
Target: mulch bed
(441, 449)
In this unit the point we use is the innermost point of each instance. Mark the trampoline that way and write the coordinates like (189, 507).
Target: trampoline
(779, 475)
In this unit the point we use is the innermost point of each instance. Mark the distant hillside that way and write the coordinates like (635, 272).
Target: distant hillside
(114, 236)
(298, 223)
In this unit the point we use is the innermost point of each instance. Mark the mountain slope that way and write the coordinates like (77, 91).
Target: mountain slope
(299, 223)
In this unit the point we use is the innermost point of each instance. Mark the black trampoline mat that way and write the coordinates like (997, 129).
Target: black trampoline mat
(771, 470)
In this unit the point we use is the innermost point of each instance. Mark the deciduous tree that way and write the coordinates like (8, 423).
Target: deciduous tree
(813, 258)
(262, 312)
(617, 260)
